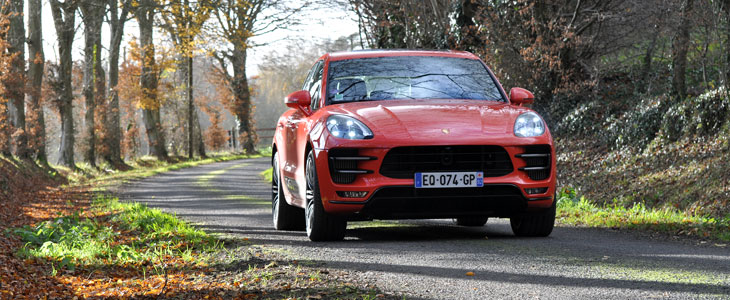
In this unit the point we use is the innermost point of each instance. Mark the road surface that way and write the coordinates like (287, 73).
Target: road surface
(429, 259)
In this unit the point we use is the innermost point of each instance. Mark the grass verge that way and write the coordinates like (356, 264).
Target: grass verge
(115, 234)
(77, 240)
(146, 166)
(577, 210)
(266, 174)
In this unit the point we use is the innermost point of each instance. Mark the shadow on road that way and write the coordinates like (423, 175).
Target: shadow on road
(232, 199)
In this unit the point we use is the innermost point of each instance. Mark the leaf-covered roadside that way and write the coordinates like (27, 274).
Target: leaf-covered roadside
(28, 195)
(69, 242)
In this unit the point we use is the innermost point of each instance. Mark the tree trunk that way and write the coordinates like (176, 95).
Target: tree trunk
(680, 46)
(191, 106)
(149, 81)
(646, 65)
(726, 8)
(6, 118)
(183, 124)
(199, 135)
(37, 126)
(243, 100)
(64, 15)
(113, 131)
(93, 17)
(102, 109)
(15, 84)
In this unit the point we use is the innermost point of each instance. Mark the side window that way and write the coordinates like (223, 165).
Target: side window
(308, 81)
(316, 85)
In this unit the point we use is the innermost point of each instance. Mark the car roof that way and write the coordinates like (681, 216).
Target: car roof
(398, 52)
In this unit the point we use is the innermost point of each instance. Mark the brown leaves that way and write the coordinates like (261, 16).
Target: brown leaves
(27, 196)
(239, 273)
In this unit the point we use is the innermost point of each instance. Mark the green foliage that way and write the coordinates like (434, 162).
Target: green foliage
(74, 240)
(142, 167)
(636, 122)
(577, 210)
(266, 174)
(697, 116)
(66, 239)
(637, 126)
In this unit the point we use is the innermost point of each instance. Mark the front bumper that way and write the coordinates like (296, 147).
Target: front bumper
(397, 198)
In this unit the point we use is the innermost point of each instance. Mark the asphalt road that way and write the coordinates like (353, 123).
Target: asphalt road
(430, 258)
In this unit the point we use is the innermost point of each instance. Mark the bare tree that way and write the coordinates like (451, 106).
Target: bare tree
(145, 13)
(15, 84)
(183, 20)
(37, 123)
(726, 8)
(92, 14)
(5, 118)
(238, 21)
(680, 46)
(404, 23)
(113, 136)
(64, 17)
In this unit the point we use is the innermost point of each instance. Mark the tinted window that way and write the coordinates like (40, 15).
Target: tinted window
(410, 77)
(308, 81)
(316, 87)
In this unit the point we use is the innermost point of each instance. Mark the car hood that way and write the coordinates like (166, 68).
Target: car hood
(429, 119)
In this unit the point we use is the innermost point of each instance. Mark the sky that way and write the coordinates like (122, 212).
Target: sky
(325, 24)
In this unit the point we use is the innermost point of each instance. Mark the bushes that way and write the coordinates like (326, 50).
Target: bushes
(699, 116)
(640, 122)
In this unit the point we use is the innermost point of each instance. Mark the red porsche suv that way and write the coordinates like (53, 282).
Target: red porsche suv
(410, 134)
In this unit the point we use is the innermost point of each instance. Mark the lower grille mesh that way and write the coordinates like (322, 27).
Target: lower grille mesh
(403, 162)
(337, 165)
(538, 162)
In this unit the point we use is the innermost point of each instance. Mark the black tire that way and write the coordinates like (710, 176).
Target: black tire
(472, 221)
(320, 225)
(534, 225)
(284, 216)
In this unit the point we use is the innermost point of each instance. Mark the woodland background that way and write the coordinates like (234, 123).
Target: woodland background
(636, 92)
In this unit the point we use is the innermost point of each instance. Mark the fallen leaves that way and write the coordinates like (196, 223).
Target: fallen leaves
(32, 198)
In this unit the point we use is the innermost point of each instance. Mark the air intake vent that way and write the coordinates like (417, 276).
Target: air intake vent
(403, 162)
(344, 164)
(537, 159)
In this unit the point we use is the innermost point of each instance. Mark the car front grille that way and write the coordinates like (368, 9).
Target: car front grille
(538, 161)
(404, 162)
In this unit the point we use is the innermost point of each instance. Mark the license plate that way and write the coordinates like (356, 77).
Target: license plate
(449, 179)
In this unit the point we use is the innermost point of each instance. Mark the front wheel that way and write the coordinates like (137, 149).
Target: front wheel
(285, 216)
(534, 225)
(320, 225)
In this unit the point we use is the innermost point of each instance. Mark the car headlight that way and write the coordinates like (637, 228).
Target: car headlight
(529, 124)
(348, 128)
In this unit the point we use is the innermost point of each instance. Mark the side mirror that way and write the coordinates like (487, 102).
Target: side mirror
(520, 96)
(298, 99)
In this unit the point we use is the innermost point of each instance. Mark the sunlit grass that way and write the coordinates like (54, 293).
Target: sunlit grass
(115, 233)
(377, 224)
(575, 210)
(266, 174)
(146, 166)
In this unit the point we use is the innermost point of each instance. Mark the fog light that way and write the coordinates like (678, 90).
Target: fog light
(349, 194)
(536, 191)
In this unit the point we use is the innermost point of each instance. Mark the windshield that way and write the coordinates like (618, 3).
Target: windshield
(410, 77)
